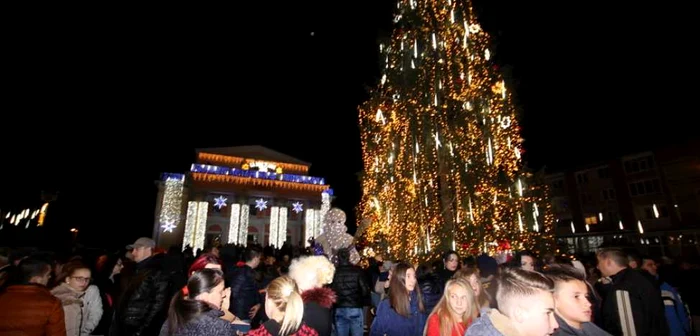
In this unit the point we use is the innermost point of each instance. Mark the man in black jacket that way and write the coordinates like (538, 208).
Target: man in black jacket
(245, 297)
(353, 293)
(144, 303)
(632, 306)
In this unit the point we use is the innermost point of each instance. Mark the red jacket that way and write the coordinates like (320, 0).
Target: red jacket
(31, 310)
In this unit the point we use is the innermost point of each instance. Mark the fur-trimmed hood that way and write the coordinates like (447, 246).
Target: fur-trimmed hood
(325, 297)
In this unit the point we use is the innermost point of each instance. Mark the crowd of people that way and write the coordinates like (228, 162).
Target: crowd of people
(254, 290)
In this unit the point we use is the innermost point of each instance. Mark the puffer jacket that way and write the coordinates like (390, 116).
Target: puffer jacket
(431, 286)
(244, 291)
(30, 310)
(351, 287)
(144, 304)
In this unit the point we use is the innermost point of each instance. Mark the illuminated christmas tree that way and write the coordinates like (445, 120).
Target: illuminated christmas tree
(441, 144)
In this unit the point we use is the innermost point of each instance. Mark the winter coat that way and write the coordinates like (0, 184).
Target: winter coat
(587, 329)
(82, 311)
(633, 306)
(144, 304)
(208, 323)
(272, 328)
(31, 310)
(388, 322)
(676, 313)
(244, 291)
(493, 323)
(72, 302)
(317, 309)
(351, 287)
(431, 286)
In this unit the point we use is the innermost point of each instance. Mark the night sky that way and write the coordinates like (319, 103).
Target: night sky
(97, 106)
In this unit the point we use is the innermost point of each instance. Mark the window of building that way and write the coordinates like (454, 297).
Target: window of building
(591, 219)
(646, 187)
(582, 178)
(608, 194)
(558, 184)
(586, 198)
(612, 217)
(639, 165)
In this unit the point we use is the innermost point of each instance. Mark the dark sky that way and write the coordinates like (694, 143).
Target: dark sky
(96, 106)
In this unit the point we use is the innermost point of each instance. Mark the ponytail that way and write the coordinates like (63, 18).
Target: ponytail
(184, 307)
(292, 314)
(183, 310)
(284, 293)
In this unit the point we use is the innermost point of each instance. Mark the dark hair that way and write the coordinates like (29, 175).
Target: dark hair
(447, 254)
(563, 273)
(560, 273)
(469, 262)
(202, 261)
(618, 256)
(633, 255)
(343, 255)
(250, 254)
(518, 259)
(31, 267)
(106, 265)
(398, 295)
(183, 307)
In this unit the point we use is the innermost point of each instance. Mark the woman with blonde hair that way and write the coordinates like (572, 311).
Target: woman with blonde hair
(285, 308)
(311, 274)
(471, 276)
(455, 311)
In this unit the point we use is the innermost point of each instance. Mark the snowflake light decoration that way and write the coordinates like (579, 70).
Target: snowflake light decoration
(298, 207)
(168, 226)
(261, 204)
(220, 202)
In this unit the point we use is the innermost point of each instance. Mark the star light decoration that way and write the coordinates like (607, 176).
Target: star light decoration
(298, 207)
(261, 204)
(168, 226)
(220, 202)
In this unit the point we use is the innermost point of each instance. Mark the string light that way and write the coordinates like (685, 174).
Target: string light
(171, 206)
(442, 166)
(196, 225)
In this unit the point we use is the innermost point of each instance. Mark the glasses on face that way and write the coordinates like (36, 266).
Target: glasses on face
(81, 279)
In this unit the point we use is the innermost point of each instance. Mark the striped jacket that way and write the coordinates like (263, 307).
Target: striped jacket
(632, 306)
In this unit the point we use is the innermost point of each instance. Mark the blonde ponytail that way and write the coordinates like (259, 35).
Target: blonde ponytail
(292, 314)
(284, 292)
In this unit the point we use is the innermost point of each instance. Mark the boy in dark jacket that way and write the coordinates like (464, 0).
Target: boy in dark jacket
(572, 307)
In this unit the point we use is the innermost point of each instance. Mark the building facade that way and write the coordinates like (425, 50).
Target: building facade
(650, 199)
(240, 195)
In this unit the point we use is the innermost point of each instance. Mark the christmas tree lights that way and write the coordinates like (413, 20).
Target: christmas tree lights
(441, 144)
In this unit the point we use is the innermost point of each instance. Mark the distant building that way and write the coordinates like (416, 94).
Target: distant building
(239, 195)
(651, 199)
